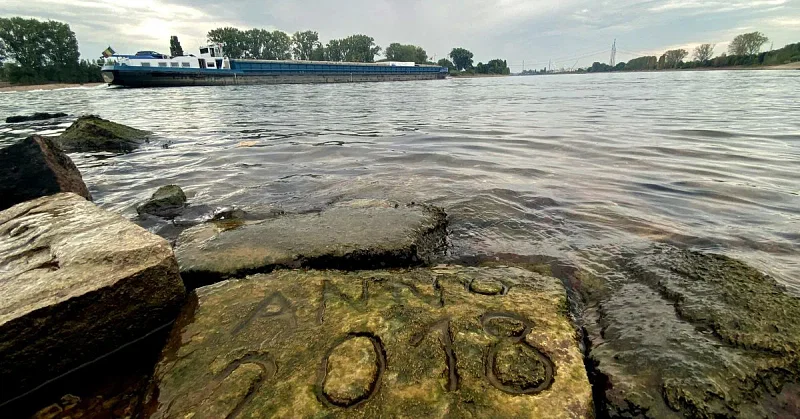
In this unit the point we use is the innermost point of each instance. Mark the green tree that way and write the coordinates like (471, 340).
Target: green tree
(318, 54)
(462, 58)
(444, 62)
(175, 48)
(407, 53)
(303, 44)
(359, 48)
(41, 51)
(674, 57)
(278, 46)
(642, 63)
(747, 43)
(233, 38)
(703, 52)
(333, 51)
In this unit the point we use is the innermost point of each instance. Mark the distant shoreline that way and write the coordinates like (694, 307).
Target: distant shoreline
(50, 86)
(790, 66)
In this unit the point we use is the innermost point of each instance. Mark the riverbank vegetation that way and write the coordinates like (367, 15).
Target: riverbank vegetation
(744, 50)
(42, 52)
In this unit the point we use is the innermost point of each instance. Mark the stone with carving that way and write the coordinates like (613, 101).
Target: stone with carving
(404, 343)
(76, 282)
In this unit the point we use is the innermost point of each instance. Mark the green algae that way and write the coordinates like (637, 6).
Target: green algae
(428, 354)
(92, 133)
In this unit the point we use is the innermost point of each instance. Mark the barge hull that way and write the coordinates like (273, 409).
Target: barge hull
(157, 78)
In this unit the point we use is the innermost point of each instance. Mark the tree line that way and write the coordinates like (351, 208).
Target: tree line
(305, 46)
(462, 62)
(744, 50)
(42, 52)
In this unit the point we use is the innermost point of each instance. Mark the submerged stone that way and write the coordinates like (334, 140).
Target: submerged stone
(167, 202)
(76, 282)
(36, 167)
(38, 116)
(403, 343)
(348, 236)
(689, 334)
(92, 133)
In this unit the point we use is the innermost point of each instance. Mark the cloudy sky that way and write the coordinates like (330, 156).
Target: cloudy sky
(535, 31)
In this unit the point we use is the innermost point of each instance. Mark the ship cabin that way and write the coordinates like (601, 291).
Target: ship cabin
(211, 57)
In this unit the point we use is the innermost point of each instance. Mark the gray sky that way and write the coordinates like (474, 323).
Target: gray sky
(531, 30)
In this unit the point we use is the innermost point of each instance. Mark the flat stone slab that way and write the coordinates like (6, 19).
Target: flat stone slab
(355, 235)
(688, 334)
(75, 283)
(442, 342)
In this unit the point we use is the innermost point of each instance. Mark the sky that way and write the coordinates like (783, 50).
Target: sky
(567, 32)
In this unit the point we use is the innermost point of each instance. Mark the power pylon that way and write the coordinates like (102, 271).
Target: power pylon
(613, 60)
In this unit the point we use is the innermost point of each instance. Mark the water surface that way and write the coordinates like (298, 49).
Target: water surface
(583, 168)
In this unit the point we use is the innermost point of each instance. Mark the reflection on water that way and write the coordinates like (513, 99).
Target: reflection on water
(581, 168)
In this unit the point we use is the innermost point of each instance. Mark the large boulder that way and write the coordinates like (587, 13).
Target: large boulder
(38, 116)
(92, 133)
(36, 167)
(167, 202)
(442, 342)
(688, 334)
(76, 282)
(354, 235)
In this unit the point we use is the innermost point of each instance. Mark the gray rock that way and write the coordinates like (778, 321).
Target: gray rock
(76, 282)
(687, 334)
(167, 202)
(356, 235)
(36, 167)
(92, 133)
(38, 116)
(401, 343)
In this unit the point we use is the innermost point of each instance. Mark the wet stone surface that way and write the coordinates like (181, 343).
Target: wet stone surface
(688, 334)
(405, 343)
(352, 235)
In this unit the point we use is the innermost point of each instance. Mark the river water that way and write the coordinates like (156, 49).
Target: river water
(582, 168)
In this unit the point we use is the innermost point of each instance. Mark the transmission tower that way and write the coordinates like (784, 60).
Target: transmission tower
(613, 60)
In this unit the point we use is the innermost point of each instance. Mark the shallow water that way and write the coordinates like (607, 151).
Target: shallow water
(583, 168)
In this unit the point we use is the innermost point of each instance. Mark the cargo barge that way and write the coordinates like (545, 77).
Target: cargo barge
(212, 68)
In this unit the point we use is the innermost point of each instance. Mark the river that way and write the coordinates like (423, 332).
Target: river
(582, 168)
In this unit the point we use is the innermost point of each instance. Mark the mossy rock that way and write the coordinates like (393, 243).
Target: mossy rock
(689, 334)
(168, 201)
(92, 133)
(404, 343)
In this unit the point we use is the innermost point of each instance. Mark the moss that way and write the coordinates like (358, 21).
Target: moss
(92, 133)
(379, 343)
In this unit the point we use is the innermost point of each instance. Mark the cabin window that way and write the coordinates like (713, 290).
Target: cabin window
(186, 64)
(174, 64)
(212, 52)
(204, 50)
(162, 64)
(210, 64)
(145, 64)
(202, 62)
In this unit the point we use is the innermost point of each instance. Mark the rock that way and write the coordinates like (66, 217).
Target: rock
(348, 236)
(689, 334)
(76, 282)
(38, 116)
(167, 202)
(36, 167)
(92, 133)
(403, 343)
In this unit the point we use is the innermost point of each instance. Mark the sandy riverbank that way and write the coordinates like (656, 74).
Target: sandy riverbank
(53, 86)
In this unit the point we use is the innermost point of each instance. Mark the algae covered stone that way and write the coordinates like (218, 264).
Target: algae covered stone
(168, 201)
(76, 282)
(354, 235)
(403, 343)
(688, 334)
(92, 133)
